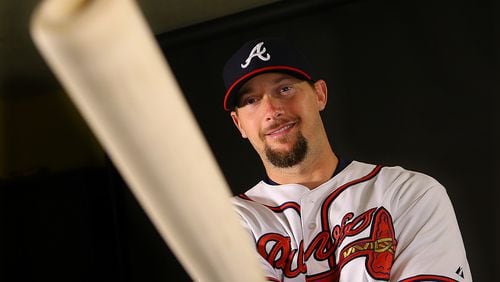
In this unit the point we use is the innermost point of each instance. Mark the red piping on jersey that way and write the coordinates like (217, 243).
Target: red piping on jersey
(278, 209)
(272, 279)
(326, 205)
(427, 277)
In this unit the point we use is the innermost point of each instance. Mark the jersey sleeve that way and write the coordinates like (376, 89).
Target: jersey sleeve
(430, 246)
(249, 222)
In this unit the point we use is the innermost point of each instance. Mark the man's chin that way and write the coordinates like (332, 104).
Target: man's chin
(281, 149)
(287, 155)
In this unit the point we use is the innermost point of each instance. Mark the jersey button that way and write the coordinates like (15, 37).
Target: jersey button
(312, 225)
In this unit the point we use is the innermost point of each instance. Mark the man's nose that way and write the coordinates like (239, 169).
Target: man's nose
(273, 107)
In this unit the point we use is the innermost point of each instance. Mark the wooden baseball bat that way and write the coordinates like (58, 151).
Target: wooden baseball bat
(107, 59)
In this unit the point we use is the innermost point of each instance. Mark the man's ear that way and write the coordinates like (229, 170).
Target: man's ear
(322, 93)
(236, 122)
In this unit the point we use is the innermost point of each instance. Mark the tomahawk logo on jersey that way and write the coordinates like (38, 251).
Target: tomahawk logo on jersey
(367, 223)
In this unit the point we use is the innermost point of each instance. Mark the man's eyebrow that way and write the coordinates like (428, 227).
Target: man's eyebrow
(243, 90)
(246, 89)
(284, 78)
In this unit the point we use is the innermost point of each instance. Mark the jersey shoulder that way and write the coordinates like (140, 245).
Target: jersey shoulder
(408, 184)
(399, 174)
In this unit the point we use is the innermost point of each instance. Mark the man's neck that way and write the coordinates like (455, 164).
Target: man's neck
(312, 172)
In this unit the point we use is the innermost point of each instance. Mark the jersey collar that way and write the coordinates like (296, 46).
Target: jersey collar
(343, 163)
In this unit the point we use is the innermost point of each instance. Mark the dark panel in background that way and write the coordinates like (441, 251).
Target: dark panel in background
(80, 225)
(59, 227)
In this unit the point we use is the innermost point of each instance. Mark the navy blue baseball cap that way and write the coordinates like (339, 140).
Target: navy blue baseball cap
(260, 56)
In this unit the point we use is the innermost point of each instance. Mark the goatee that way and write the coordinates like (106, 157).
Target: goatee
(288, 159)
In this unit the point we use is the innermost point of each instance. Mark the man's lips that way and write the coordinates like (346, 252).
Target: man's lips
(280, 130)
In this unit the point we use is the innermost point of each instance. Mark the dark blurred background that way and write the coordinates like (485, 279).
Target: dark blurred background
(411, 83)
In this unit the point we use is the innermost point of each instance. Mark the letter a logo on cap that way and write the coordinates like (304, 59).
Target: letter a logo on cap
(257, 51)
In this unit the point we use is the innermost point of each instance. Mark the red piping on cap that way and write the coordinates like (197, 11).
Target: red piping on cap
(256, 71)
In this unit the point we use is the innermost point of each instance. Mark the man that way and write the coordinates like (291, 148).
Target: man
(316, 217)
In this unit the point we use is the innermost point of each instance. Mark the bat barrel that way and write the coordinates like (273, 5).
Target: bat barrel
(106, 58)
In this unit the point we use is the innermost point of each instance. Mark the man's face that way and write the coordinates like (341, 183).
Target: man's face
(279, 114)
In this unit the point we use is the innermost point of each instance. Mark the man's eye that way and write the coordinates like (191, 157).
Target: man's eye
(286, 89)
(248, 101)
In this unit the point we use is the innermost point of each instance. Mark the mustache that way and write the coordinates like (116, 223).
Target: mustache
(277, 123)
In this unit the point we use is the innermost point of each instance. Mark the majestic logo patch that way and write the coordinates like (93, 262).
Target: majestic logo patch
(460, 272)
(378, 248)
(257, 51)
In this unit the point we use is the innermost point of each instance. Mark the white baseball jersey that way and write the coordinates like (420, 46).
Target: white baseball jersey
(367, 223)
